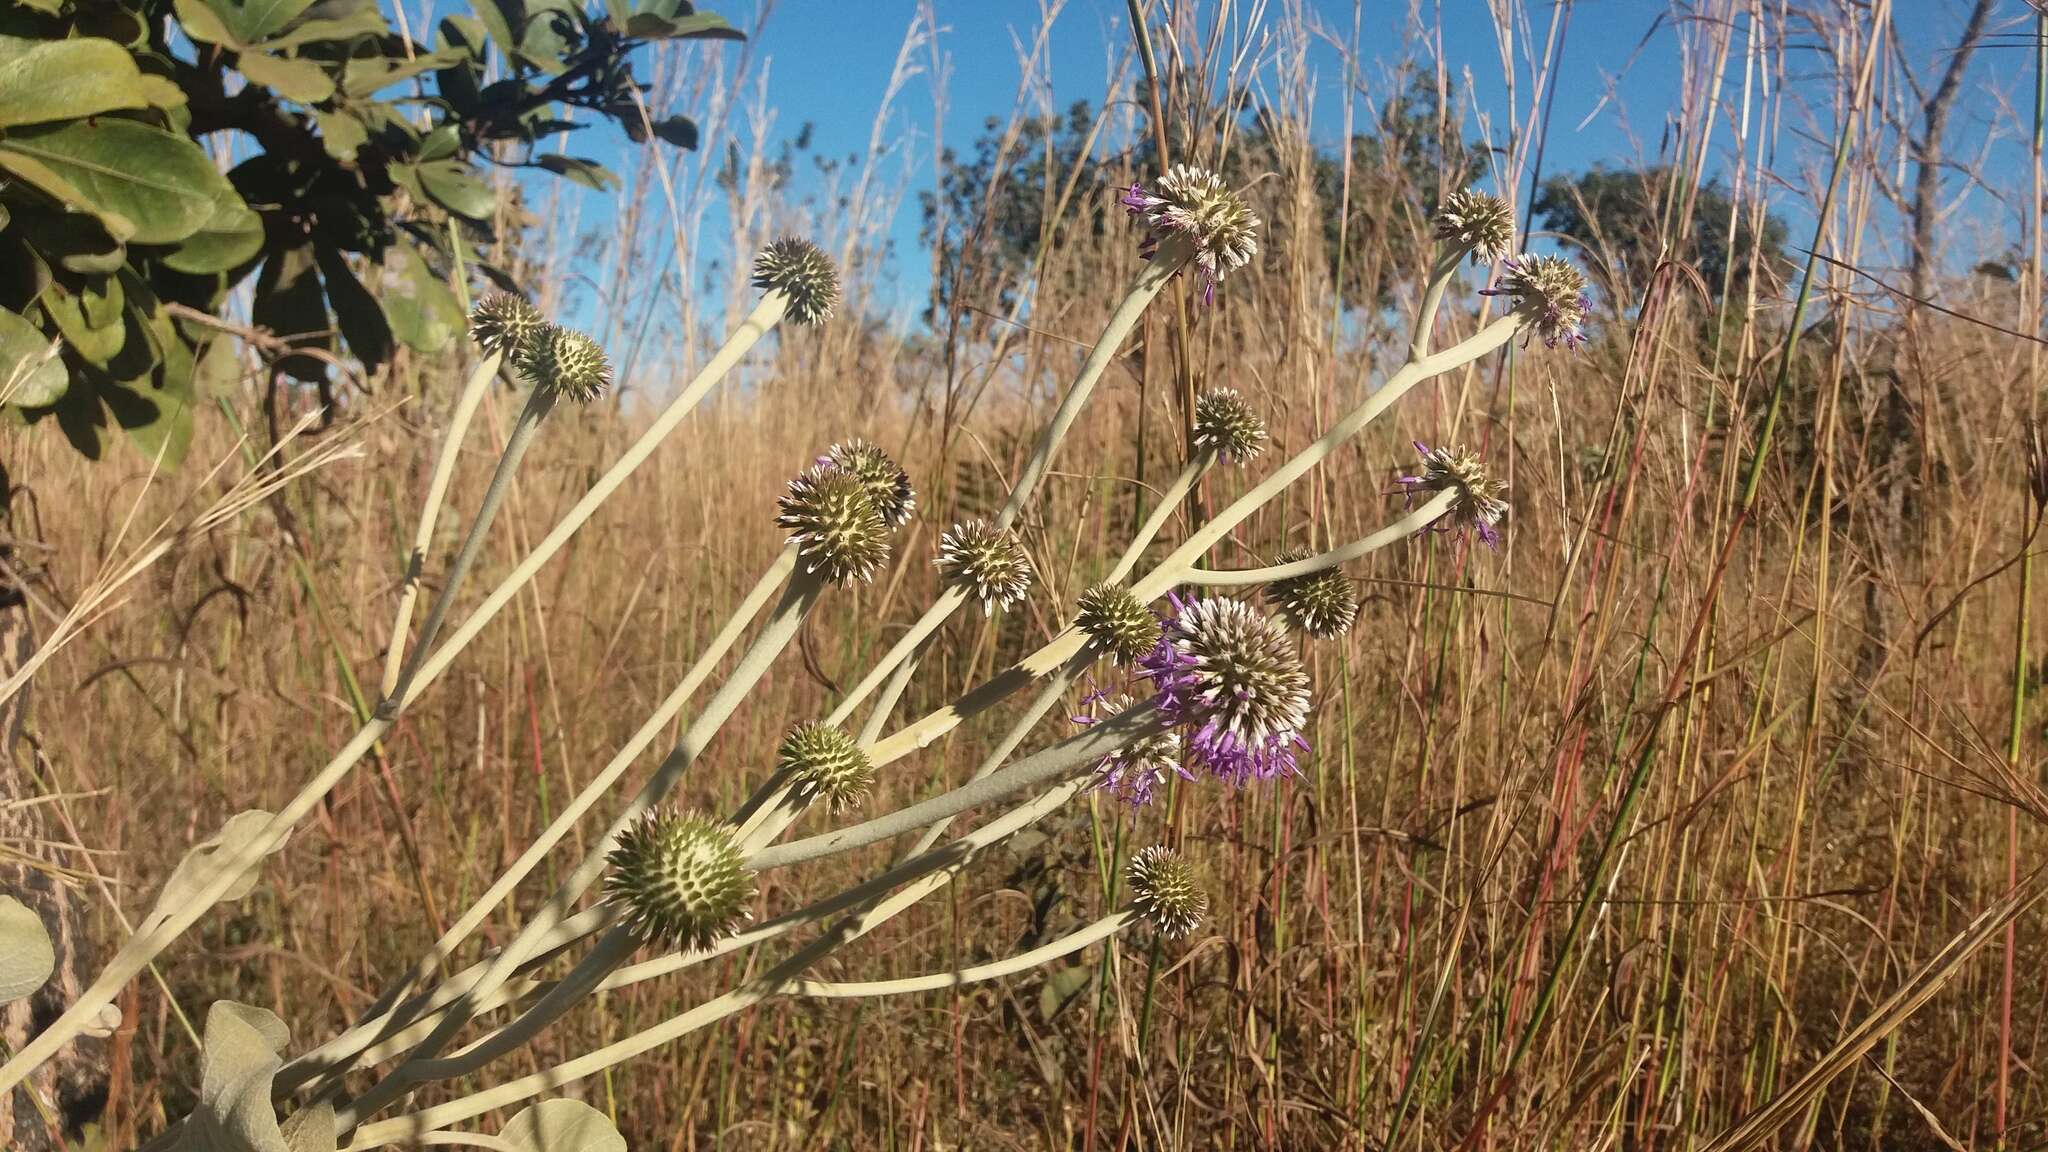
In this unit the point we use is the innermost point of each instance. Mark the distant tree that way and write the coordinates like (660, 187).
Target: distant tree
(1621, 213)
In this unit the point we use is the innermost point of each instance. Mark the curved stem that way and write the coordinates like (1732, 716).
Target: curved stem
(1169, 503)
(1415, 521)
(994, 970)
(430, 512)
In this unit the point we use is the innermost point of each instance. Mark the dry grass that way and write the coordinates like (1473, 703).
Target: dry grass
(1824, 803)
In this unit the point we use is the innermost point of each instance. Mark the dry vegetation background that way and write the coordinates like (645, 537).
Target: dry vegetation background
(1494, 912)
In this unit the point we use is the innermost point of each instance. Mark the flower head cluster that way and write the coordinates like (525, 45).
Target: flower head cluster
(505, 324)
(1117, 621)
(833, 523)
(1550, 292)
(1166, 892)
(678, 879)
(1226, 425)
(567, 363)
(1478, 504)
(1195, 205)
(1321, 604)
(888, 485)
(824, 763)
(1231, 675)
(987, 561)
(1479, 223)
(1134, 772)
(801, 271)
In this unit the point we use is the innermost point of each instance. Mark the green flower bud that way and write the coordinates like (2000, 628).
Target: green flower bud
(800, 271)
(1117, 621)
(1166, 892)
(679, 880)
(824, 763)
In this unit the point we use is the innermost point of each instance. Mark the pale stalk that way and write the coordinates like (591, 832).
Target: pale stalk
(138, 952)
(430, 512)
(1417, 520)
(965, 849)
(1066, 945)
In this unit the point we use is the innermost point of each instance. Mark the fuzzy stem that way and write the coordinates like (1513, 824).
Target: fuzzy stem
(1066, 945)
(430, 512)
(539, 402)
(1415, 521)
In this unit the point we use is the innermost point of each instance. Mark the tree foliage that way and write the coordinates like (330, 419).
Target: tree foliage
(1623, 215)
(119, 232)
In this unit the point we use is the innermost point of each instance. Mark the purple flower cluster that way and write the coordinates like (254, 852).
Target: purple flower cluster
(1233, 679)
(1478, 505)
(1195, 204)
(1134, 772)
(1551, 292)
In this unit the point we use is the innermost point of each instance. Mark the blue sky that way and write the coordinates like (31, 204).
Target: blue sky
(830, 61)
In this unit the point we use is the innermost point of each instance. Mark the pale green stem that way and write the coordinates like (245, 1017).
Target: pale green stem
(138, 952)
(539, 402)
(1415, 521)
(1169, 503)
(772, 983)
(756, 325)
(994, 970)
(706, 663)
(430, 512)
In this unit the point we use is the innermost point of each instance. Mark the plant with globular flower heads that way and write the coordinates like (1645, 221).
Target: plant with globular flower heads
(1477, 222)
(1216, 689)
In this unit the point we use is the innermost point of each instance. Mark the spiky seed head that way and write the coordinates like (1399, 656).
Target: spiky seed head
(1166, 892)
(823, 763)
(1321, 604)
(888, 485)
(1477, 222)
(834, 524)
(1232, 677)
(1226, 425)
(1196, 206)
(986, 561)
(1550, 293)
(801, 271)
(1117, 621)
(568, 363)
(505, 324)
(679, 880)
(1478, 506)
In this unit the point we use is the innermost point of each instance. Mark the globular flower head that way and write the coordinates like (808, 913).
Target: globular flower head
(1478, 222)
(1117, 621)
(1233, 677)
(566, 362)
(834, 524)
(1321, 604)
(1166, 891)
(1134, 772)
(801, 271)
(679, 879)
(1478, 505)
(1226, 425)
(888, 485)
(1550, 292)
(1195, 205)
(824, 763)
(986, 561)
(505, 324)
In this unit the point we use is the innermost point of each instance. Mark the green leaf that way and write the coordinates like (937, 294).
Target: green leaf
(73, 241)
(332, 21)
(588, 173)
(562, 1126)
(341, 134)
(702, 26)
(356, 313)
(256, 20)
(441, 142)
(145, 184)
(93, 319)
(201, 866)
(230, 238)
(201, 23)
(26, 958)
(45, 80)
(680, 131)
(452, 185)
(422, 309)
(294, 79)
(363, 77)
(290, 303)
(31, 375)
(237, 1063)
